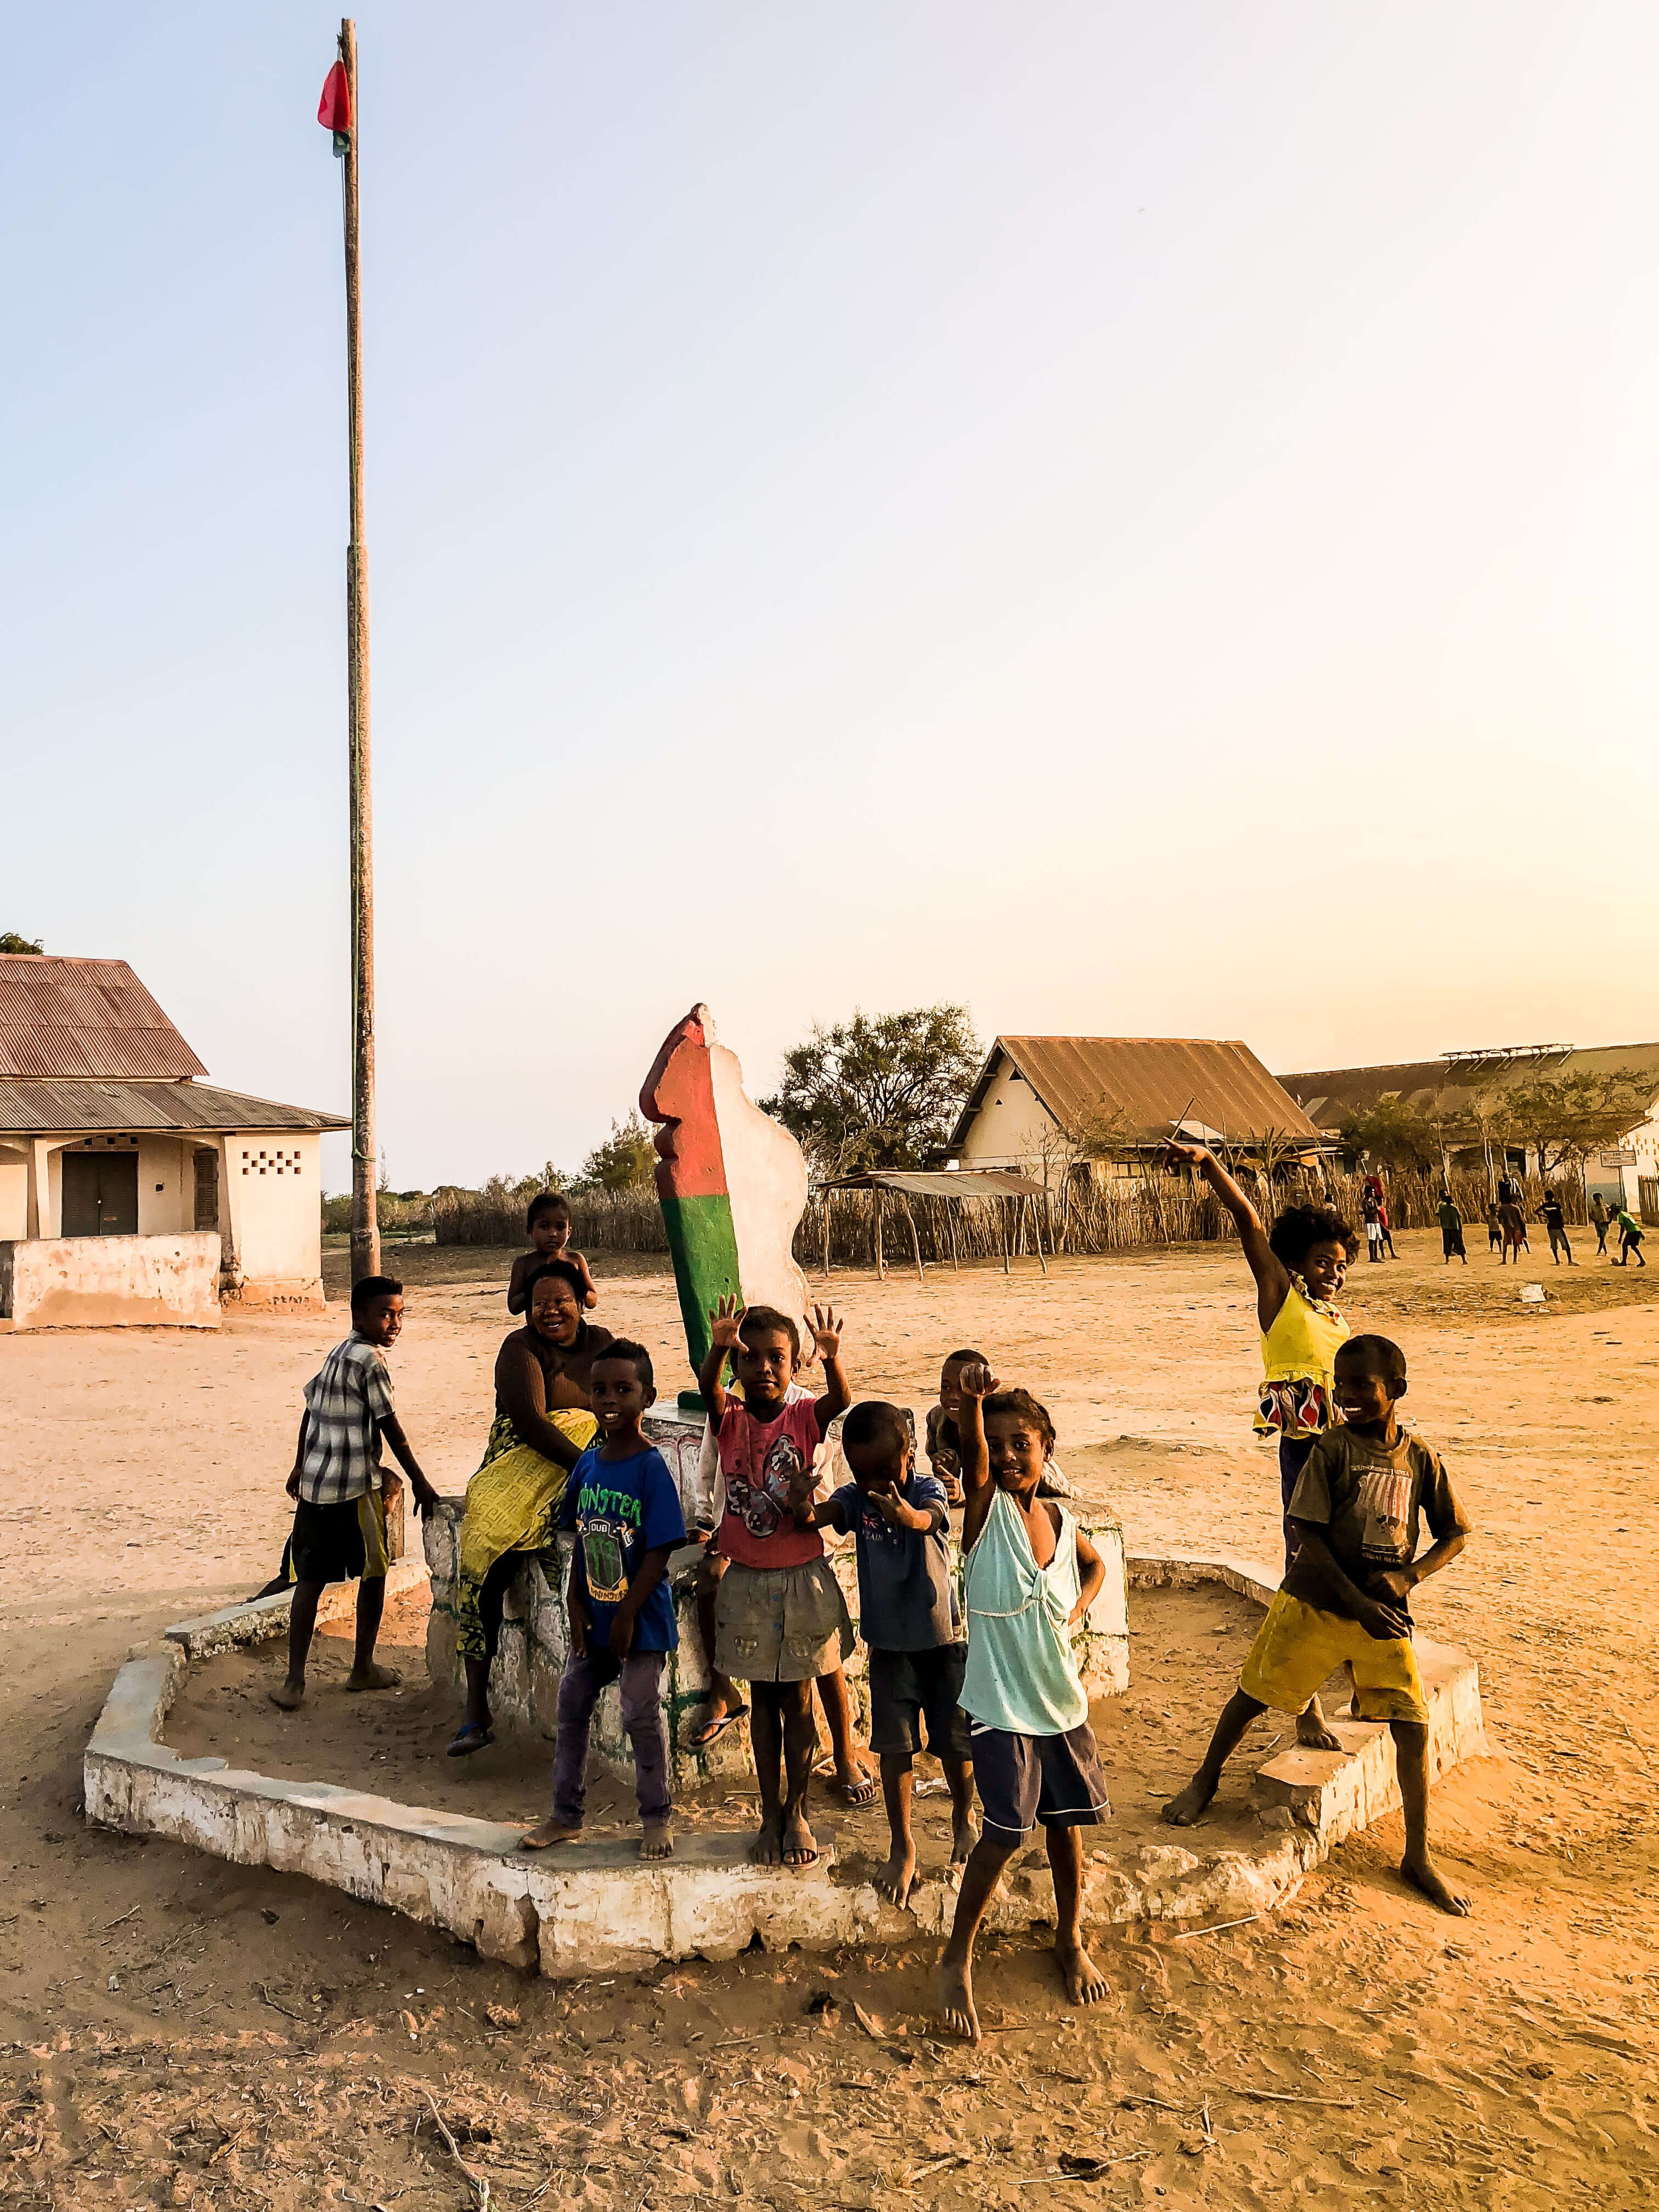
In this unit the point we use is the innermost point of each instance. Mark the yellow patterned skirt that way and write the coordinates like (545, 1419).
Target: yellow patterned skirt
(512, 1505)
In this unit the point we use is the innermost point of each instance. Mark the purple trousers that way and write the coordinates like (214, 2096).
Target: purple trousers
(585, 1676)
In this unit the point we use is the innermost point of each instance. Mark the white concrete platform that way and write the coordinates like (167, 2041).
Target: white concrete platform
(600, 1909)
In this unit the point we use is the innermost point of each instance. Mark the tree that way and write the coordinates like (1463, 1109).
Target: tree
(626, 1160)
(11, 942)
(1574, 1114)
(1393, 1132)
(879, 1091)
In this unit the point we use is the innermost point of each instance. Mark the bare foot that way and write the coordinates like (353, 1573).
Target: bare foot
(1187, 1807)
(289, 1697)
(550, 1831)
(1084, 1983)
(658, 1842)
(896, 1877)
(373, 1677)
(954, 1985)
(800, 1846)
(1423, 1874)
(767, 1850)
(1313, 1731)
(964, 1837)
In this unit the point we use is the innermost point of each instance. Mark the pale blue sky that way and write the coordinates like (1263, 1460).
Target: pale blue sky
(1143, 520)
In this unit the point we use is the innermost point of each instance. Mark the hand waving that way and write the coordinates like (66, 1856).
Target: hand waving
(724, 1322)
(826, 1333)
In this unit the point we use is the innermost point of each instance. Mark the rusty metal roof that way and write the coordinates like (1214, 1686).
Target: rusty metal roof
(1330, 1095)
(1144, 1083)
(929, 1182)
(72, 1108)
(89, 1019)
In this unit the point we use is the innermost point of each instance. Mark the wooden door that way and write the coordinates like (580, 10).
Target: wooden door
(207, 1188)
(101, 1193)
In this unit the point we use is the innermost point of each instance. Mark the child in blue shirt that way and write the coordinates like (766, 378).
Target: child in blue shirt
(623, 1505)
(901, 1520)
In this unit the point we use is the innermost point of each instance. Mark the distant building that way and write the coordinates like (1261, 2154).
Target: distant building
(1625, 1173)
(107, 1132)
(1044, 1104)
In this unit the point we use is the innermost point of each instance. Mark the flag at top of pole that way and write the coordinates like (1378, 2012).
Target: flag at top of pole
(334, 108)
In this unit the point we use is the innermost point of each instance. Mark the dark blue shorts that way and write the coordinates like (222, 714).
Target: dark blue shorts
(906, 1689)
(1023, 1779)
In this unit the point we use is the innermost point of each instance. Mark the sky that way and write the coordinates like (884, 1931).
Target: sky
(1144, 521)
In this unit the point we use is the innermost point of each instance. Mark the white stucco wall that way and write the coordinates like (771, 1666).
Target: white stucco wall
(111, 1282)
(271, 1207)
(1013, 1128)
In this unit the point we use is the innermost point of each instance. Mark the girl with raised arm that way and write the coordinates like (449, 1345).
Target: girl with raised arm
(1299, 1271)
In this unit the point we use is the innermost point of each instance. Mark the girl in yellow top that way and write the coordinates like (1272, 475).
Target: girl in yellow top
(1299, 1271)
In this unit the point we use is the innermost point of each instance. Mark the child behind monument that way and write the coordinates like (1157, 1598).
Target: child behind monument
(902, 1524)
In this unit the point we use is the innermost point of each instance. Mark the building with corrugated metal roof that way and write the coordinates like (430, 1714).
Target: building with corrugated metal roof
(107, 1132)
(1041, 1104)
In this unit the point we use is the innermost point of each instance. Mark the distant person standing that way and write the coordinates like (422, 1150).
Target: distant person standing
(1509, 1189)
(1494, 1227)
(1599, 1220)
(1382, 1224)
(1630, 1238)
(1451, 1230)
(1555, 1221)
(1372, 1207)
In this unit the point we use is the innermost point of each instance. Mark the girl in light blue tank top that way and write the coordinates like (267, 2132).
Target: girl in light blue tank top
(1034, 1753)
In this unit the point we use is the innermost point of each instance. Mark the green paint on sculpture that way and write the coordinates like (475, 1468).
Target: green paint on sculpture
(704, 1246)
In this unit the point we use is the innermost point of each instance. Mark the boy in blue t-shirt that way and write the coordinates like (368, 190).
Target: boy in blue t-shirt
(901, 1520)
(623, 1505)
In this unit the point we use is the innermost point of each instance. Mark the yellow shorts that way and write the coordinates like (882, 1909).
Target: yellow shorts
(1297, 1646)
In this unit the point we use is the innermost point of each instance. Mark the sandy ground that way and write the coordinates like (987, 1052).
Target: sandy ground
(174, 2031)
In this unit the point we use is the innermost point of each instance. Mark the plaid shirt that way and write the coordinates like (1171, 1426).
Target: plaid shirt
(346, 1401)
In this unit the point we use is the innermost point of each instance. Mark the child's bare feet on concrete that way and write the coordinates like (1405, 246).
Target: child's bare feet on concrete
(954, 1983)
(550, 1831)
(373, 1677)
(1084, 1983)
(896, 1877)
(1187, 1805)
(658, 1842)
(1313, 1731)
(800, 1846)
(1423, 1874)
(767, 1850)
(290, 1696)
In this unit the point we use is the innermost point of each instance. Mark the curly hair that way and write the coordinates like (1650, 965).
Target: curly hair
(1025, 1408)
(1299, 1228)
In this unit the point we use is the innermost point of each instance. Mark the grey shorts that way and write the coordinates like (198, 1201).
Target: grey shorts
(906, 1689)
(1023, 1779)
(780, 1624)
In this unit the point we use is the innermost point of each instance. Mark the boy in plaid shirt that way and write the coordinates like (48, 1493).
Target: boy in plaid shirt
(341, 1490)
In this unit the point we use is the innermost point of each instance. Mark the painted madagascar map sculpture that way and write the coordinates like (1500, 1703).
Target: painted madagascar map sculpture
(732, 1183)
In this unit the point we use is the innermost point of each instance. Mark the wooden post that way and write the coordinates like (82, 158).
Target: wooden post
(365, 1223)
(950, 1220)
(823, 1197)
(915, 1241)
(1036, 1231)
(881, 1261)
(1002, 1209)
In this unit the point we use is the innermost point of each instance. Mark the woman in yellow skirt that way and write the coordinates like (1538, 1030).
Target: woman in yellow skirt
(542, 1426)
(1299, 1272)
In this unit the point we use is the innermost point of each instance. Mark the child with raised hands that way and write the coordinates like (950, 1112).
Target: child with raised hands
(1031, 1574)
(779, 1618)
(901, 1523)
(1358, 1505)
(547, 1223)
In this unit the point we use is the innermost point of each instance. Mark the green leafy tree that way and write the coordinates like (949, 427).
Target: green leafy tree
(625, 1161)
(1571, 1115)
(11, 942)
(881, 1091)
(1394, 1133)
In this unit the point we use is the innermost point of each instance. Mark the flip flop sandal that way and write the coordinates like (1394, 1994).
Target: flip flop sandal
(469, 1739)
(856, 1792)
(711, 1731)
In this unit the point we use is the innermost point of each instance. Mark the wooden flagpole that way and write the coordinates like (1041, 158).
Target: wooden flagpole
(365, 1224)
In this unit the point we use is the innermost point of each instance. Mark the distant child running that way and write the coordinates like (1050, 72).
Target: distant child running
(779, 1618)
(902, 1524)
(547, 1222)
(943, 1446)
(1630, 1238)
(1031, 1576)
(623, 1505)
(1600, 1221)
(1299, 1272)
(1555, 1221)
(341, 1489)
(1345, 1595)
(1451, 1230)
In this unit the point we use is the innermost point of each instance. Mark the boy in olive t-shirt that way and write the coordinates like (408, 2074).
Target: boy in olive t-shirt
(1359, 1508)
